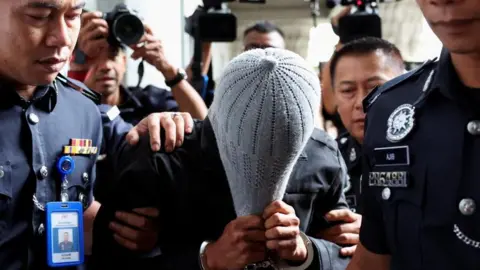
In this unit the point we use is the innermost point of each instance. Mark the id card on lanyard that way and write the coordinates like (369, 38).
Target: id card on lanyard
(65, 245)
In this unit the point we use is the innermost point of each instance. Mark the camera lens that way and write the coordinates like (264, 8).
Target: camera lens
(128, 29)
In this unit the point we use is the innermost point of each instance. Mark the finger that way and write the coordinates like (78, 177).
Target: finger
(277, 207)
(280, 219)
(99, 32)
(341, 215)
(133, 220)
(347, 239)
(149, 212)
(90, 15)
(147, 37)
(153, 124)
(348, 251)
(188, 120)
(125, 242)
(133, 137)
(124, 231)
(179, 122)
(138, 53)
(344, 228)
(148, 29)
(254, 236)
(278, 245)
(93, 23)
(248, 223)
(282, 233)
(170, 131)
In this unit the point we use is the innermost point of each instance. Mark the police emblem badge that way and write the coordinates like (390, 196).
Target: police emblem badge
(400, 123)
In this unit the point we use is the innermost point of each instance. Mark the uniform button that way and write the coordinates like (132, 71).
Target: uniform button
(2, 173)
(85, 177)
(467, 207)
(83, 199)
(43, 172)
(33, 118)
(41, 229)
(473, 127)
(386, 193)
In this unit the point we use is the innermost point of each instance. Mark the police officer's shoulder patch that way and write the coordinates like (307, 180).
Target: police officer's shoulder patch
(80, 87)
(390, 85)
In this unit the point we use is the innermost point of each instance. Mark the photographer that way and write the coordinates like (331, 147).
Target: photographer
(105, 67)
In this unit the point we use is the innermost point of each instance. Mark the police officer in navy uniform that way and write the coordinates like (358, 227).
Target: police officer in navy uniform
(422, 153)
(355, 69)
(40, 114)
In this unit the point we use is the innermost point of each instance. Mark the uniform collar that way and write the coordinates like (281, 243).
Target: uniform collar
(446, 80)
(44, 97)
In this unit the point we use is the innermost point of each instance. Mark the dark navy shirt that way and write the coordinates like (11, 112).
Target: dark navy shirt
(352, 154)
(422, 193)
(32, 137)
(138, 104)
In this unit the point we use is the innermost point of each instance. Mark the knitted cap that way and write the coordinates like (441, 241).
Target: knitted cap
(262, 115)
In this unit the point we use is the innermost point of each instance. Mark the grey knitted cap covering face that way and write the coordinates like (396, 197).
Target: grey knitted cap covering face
(263, 114)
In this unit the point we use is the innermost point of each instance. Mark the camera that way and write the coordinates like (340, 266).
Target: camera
(364, 20)
(125, 28)
(213, 22)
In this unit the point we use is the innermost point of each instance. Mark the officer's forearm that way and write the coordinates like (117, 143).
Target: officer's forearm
(88, 219)
(189, 100)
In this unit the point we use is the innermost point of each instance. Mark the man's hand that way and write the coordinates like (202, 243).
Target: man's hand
(346, 233)
(175, 125)
(282, 232)
(139, 231)
(151, 50)
(93, 34)
(242, 243)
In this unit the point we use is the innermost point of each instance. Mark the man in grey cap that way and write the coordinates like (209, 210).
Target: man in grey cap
(247, 186)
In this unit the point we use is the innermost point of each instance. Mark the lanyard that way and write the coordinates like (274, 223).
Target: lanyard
(65, 167)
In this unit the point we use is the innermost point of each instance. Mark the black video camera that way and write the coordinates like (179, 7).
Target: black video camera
(363, 22)
(125, 28)
(213, 22)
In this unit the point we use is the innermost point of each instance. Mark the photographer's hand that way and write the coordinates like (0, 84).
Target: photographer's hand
(93, 34)
(151, 50)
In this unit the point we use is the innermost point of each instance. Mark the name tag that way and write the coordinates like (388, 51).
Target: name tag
(388, 179)
(392, 156)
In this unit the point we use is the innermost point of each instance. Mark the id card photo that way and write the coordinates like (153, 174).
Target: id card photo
(65, 237)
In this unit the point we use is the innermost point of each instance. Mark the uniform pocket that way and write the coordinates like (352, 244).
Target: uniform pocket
(80, 180)
(5, 188)
(402, 209)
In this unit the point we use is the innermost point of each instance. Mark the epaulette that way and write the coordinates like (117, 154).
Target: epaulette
(377, 91)
(80, 87)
